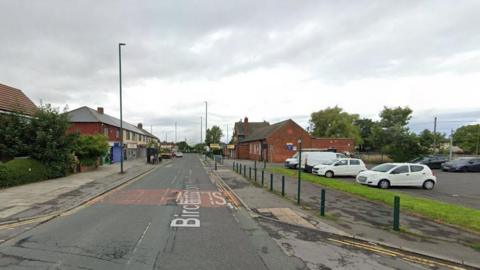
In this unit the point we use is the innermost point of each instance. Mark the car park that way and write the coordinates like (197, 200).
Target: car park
(463, 164)
(311, 158)
(398, 174)
(340, 167)
(432, 161)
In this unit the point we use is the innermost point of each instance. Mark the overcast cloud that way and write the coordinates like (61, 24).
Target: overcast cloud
(268, 60)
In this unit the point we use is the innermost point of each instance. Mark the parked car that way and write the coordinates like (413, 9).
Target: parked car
(178, 154)
(340, 167)
(433, 161)
(398, 174)
(311, 158)
(464, 164)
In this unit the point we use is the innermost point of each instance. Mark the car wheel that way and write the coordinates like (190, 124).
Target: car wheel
(429, 184)
(329, 174)
(384, 184)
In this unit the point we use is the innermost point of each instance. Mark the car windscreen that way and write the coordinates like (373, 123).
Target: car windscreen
(461, 161)
(383, 168)
(328, 162)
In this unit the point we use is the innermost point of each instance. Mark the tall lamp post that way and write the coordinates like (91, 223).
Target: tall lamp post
(121, 113)
(299, 167)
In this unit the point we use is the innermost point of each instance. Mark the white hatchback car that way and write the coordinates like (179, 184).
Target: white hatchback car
(398, 174)
(339, 167)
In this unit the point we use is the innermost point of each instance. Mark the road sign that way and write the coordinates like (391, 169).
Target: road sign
(215, 146)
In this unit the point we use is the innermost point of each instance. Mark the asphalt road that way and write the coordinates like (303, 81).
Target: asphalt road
(131, 228)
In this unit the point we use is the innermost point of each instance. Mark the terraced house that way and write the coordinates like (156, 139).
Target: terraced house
(88, 121)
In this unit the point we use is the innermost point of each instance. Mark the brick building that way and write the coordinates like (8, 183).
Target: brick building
(279, 141)
(88, 121)
(13, 100)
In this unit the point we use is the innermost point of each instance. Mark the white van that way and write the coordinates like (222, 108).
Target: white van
(311, 158)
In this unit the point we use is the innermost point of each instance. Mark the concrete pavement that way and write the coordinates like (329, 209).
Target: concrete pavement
(56, 195)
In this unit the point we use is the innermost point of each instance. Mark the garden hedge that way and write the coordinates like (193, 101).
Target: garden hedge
(22, 171)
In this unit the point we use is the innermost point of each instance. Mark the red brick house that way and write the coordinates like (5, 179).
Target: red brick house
(13, 100)
(278, 141)
(88, 121)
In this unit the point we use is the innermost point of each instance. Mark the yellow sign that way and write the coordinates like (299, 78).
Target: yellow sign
(215, 146)
(231, 146)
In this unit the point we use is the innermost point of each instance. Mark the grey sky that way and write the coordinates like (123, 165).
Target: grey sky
(268, 60)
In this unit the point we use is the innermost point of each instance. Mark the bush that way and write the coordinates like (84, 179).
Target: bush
(22, 171)
(90, 147)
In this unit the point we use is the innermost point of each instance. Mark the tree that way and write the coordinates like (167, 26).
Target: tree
(468, 138)
(89, 147)
(13, 136)
(366, 127)
(427, 139)
(183, 146)
(393, 137)
(334, 122)
(199, 148)
(213, 135)
(50, 143)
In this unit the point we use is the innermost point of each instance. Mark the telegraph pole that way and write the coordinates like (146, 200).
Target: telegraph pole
(227, 133)
(206, 119)
(121, 113)
(435, 135)
(201, 130)
(175, 132)
(451, 145)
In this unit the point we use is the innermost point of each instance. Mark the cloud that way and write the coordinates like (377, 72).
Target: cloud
(269, 60)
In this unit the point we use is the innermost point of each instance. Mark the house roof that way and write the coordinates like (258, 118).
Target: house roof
(265, 132)
(88, 115)
(252, 126)
(148, 134)
(14, 100)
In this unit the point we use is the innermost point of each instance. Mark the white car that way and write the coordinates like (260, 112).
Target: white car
(398, 174)
(178, 154)
(340, 167)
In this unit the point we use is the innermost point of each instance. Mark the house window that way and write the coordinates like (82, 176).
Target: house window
(117, 133)
(105, 131)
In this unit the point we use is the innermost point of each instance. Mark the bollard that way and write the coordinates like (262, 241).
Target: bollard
(255, 172)
(240, 169)
(283, 185)
(322, 203)
(215, 164)
(245, 171)
(263, 176)
(271, 182)
(250, 173)
(237, 167)
(396, 213)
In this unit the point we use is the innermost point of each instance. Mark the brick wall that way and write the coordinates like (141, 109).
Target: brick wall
(95, 128)
(242, 151)
(341, 144)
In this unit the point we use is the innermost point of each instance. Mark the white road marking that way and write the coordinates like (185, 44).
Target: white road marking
(138, 243)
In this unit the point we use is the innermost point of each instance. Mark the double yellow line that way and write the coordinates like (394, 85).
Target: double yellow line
(387, 252)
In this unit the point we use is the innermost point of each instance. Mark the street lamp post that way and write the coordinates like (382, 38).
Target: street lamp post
(299, 167)
(121, 113)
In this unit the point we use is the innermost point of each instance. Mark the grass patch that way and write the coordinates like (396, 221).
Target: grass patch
(444, 212)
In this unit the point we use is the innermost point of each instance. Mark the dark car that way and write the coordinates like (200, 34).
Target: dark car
(433, 162)
(462, 165)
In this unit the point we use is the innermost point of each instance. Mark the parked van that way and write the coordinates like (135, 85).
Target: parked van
(311, 158)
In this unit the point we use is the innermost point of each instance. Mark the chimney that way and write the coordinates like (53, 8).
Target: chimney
(140, 126)
(100, 110)
(245, 126)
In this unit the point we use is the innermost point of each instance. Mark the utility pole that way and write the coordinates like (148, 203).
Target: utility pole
(121, 112)
(201, 130)
(151, 129)
(435, 135)
(206, 119)
(451, 145)
(227, 134)
(175, 132)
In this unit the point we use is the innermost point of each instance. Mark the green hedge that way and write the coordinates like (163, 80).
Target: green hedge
(21, 171)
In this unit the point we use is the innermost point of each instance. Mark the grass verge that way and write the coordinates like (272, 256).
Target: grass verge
(444, 212)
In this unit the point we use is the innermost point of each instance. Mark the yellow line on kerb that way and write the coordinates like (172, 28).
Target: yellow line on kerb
(392, 253)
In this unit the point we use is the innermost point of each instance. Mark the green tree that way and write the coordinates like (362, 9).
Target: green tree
(393, 137)
(50, 143)
(183, 146)
(334, 122)
(366, 127)
(427, 139)
(14, 136)
(199, 147)
(90, 147)
(213, 135)
(468, 138)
